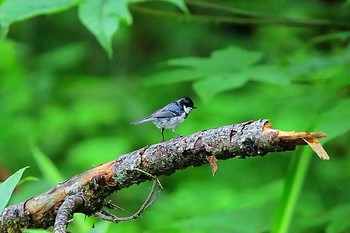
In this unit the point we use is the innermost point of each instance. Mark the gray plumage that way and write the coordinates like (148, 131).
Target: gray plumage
(170, 115)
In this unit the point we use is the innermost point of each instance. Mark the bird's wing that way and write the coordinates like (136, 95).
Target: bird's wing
(167, 111)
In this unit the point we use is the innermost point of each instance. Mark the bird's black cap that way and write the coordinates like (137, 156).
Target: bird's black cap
(187, 102)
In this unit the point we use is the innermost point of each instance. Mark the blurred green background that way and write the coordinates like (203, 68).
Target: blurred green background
(66, 100)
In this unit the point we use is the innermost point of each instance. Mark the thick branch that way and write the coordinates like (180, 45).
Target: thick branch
(253, 138)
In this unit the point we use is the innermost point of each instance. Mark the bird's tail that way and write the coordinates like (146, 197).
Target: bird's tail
(141, 121)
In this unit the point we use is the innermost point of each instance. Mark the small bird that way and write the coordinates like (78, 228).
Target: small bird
(170, 115)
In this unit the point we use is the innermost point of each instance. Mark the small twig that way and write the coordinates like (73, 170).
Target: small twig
(107, 216)
(150, 175)
(111, 205)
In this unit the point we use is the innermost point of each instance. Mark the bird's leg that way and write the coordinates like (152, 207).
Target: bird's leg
(162, 130)
(179, 135)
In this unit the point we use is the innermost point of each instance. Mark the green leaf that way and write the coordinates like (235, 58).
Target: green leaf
(222, 63)
(180, 4)
(81, 223)
(321, 64)
(46, 166)
(102, 18)
(236, 57)
(52, 174)
(224, 70)
(339, 219)
(291, 192)
(28, 179)
(172, 76)
(207, 88)
(231, 58)
(335, 122)
(16, 10)
(269, 74)
(35, 231)
(7, 187)
(100, 227)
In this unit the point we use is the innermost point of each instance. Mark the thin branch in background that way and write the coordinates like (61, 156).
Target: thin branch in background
(243, 17)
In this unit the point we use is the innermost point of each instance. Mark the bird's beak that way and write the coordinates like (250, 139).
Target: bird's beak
(194, 107)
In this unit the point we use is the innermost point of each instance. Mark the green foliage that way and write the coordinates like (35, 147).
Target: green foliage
(293, 186)
(7, 187)
(53, 175)
(47, 168)
(102, 18)
(101, 227)
(35, 231)
(12, 11)
(338, 217)
(59, 89)
(335, 114)
(225, 70)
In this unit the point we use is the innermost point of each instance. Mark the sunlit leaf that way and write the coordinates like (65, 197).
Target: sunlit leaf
(103, 18)
(7, 187)
(101, 227)
(28, 179)
(35, 231)
(46, 166)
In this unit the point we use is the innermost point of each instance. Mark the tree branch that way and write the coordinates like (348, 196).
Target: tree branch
(237, 16)
(86, 192)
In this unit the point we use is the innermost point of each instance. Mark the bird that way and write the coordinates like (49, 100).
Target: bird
(170, 115)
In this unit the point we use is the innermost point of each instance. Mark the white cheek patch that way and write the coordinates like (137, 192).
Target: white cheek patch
(187, 109)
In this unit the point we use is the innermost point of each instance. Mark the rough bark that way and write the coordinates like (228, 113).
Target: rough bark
(86, 192)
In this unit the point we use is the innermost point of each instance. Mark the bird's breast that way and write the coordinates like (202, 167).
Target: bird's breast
(169, 122)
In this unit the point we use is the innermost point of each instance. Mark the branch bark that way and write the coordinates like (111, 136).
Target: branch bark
(86, 192)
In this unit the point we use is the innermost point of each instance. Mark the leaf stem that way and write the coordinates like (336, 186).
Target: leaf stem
(293, 185)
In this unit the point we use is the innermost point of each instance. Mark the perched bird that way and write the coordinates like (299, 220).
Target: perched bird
(170, 116)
